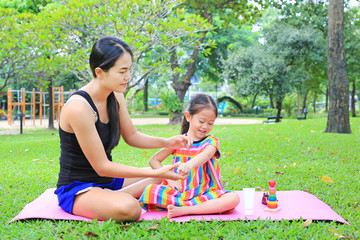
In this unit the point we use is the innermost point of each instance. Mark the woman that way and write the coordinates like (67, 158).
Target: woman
(90, 125)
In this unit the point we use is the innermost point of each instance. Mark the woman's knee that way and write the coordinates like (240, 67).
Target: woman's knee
(127, 210)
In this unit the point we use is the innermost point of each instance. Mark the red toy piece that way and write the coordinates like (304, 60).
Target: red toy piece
(272, 183)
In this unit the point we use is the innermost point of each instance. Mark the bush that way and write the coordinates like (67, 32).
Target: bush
(171, 102)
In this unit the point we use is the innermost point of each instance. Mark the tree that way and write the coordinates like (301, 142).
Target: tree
(25, 6)
(238, 11)
(210, 68)
(302, 14)
(276, 67)
(352, 46)
(251, 71)
(338, 116)
(17, 48)
(149, 26)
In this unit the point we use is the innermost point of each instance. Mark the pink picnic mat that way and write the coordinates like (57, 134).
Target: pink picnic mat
(294, 205)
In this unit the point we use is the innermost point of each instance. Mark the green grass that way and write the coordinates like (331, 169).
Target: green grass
(251, 156)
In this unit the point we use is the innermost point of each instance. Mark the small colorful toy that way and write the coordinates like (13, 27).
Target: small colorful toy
(272, 203)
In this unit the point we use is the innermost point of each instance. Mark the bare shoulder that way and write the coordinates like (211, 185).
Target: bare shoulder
(76, 112)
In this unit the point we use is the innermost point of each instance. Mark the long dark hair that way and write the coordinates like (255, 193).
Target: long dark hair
(105, 52)
(196, 104)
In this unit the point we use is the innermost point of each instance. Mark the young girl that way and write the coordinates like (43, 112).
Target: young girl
(90, 125)
(201, 192)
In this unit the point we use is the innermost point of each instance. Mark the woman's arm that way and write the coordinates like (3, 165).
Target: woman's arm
(132, 137)
(78, 117)
(198, 160)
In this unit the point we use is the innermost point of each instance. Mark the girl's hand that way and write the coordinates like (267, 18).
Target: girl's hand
(185, 168)
(179, 141)
(175, 184)
(167, 172)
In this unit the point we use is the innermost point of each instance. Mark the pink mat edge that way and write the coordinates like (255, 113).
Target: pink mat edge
(210, 217)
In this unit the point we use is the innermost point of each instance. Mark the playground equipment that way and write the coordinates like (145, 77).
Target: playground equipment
(37, 99)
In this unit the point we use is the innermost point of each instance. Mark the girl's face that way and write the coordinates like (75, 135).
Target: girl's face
(118, 76)
(201, 123)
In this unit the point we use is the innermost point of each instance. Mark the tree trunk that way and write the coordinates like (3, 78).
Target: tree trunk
(304, 101)
(253, 102)
(278, 106)
(271, 101)
(298, 103)
(327, 100)
(314, 102)
(338, 117)
(146, 97)
(51, 106)
(181, 86)
(353, 112)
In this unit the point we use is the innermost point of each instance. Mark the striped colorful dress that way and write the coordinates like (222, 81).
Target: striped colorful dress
(202, 184)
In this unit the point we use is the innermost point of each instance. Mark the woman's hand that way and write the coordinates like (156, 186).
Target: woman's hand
(167, 172)
(179, 141)
(175, 184)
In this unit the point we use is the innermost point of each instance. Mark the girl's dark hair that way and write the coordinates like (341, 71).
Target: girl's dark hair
(197, 103)
(104, 54)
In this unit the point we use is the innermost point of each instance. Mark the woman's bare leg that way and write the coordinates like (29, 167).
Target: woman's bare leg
(104, 204)
(226, 202)
(136, 186)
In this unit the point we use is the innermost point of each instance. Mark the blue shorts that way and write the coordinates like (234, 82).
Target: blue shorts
(66, 194)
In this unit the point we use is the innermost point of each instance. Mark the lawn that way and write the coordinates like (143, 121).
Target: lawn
(297, 154)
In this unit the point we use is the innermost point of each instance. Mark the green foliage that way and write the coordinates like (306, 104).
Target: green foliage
(231, 11)
(251, 70)
(302, 13)
(210, 68)
(282, 64)
(171, 102)
(18, 46)
(63, 34)
(289, 105)
(297, 154)
(31, 6)
(352, 43)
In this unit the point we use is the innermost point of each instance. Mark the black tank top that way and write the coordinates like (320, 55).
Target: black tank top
(73, 164)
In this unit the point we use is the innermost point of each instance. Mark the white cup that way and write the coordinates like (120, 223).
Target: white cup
(249, 194)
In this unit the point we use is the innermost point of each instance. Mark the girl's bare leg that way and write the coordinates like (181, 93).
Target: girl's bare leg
(226, 202)
(104, 204)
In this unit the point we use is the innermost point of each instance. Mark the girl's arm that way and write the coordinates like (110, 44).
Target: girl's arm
(78, 117)
(132, 137)
(155, 163)
(200, 159)
(157, 158)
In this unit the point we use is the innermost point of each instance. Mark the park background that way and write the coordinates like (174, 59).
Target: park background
(256, 58)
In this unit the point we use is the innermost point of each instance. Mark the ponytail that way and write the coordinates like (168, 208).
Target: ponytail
(184, 125)
(104, 54)
(114, 121)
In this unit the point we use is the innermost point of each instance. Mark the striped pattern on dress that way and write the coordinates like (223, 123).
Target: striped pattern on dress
(202, 184)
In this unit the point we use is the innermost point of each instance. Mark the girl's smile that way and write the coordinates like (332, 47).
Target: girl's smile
(201, 123)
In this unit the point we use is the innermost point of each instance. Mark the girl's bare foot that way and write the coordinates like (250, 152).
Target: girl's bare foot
(174, 211)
